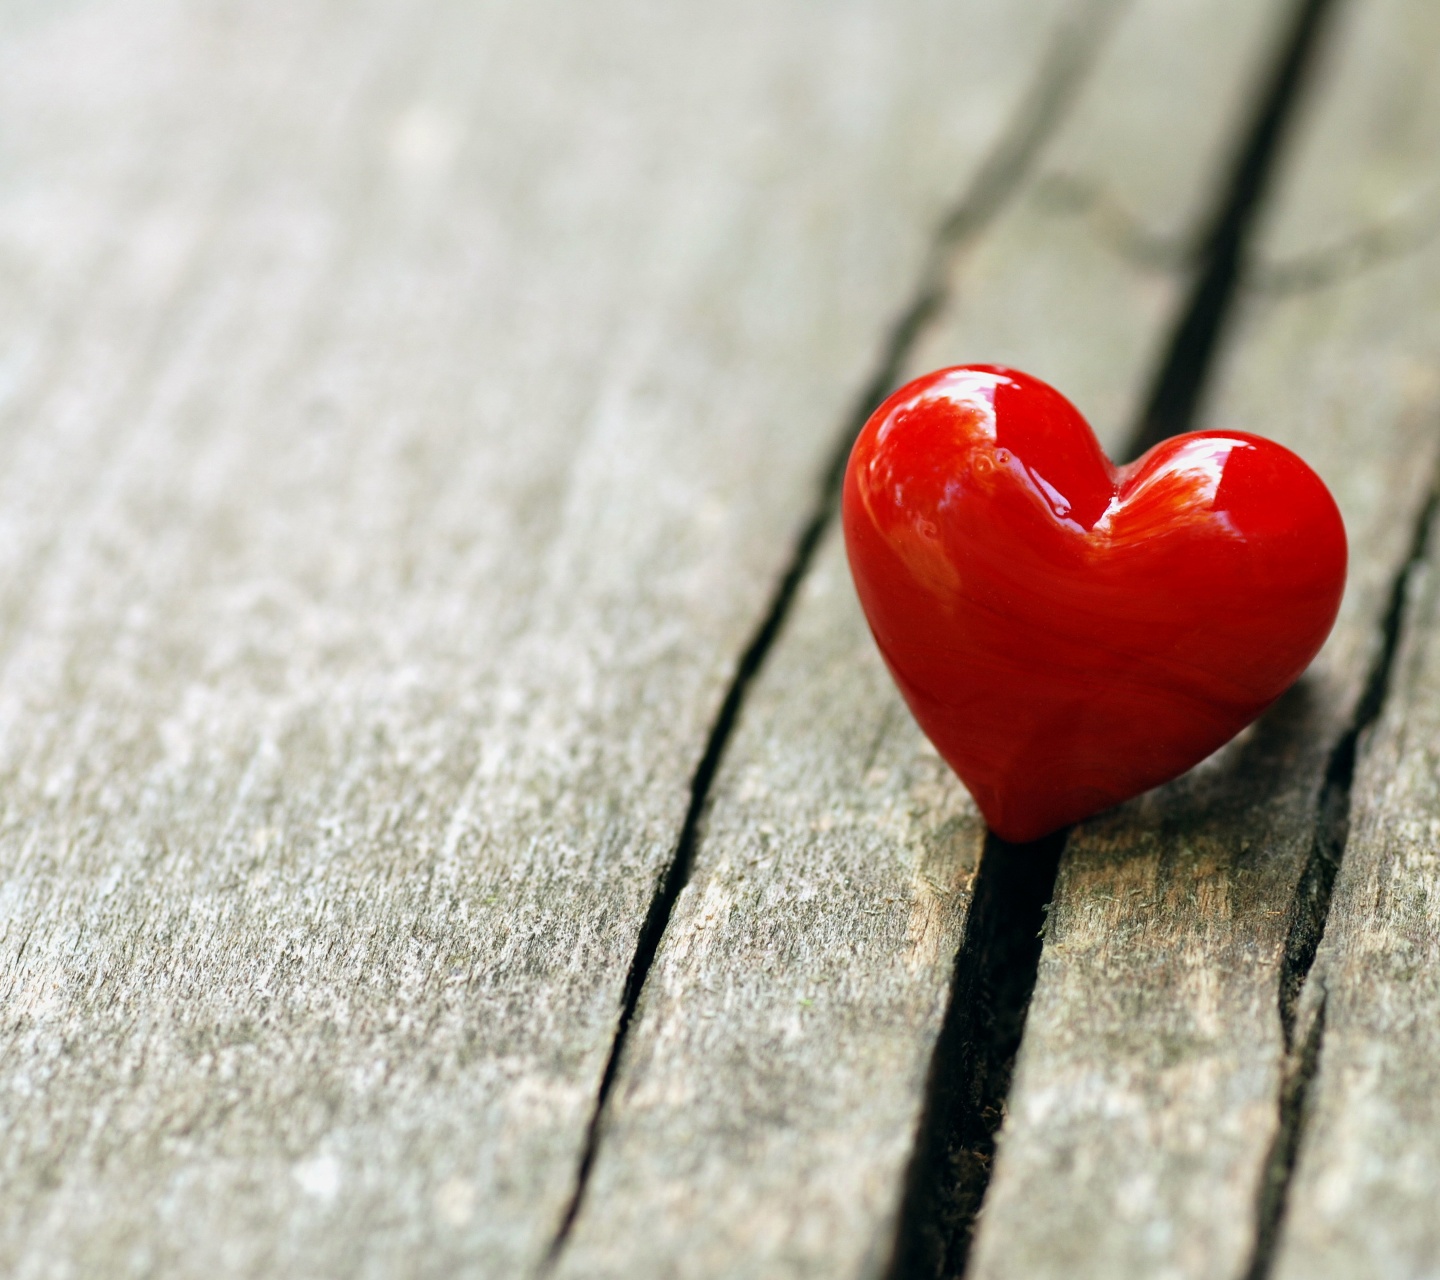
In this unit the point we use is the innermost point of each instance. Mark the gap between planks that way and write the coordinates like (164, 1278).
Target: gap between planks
(1061, 74)
(952, 1162)
(1304, 1028)
(1281, 1117)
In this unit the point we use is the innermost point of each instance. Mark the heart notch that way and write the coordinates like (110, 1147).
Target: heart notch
(1069, 633)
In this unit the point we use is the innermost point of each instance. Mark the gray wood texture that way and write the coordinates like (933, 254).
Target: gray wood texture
(1145, 1116)
(1363, 1201)
(1364, 1193)
(408, 411)
(767, 1107)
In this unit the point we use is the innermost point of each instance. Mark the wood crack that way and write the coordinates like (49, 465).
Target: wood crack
(1301, 1066)
(1302, 1010)
(1362, 250)
(1115, 226)
(1177, 391)
(975, 1053)
(974, 1057)
(1125, 234)
(1059, 77)
(1332, 827)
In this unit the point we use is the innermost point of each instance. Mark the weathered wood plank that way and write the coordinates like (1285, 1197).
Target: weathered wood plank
(409, 410)
(1146, 1105)
(1365, 1188)
(1363, 1198)
(768, 1103)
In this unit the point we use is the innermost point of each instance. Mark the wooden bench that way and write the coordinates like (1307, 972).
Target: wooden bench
(455, 821)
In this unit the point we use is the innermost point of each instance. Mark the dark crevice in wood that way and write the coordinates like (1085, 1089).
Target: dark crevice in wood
(1311, 906)
(997, 966)
(1300, 1070)
(1176, 394)
(974, 1057)
(1060, 75)
(677, 871)
(1082, 33)
(1311, 910)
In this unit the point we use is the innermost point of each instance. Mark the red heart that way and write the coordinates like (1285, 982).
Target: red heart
(1069, 633)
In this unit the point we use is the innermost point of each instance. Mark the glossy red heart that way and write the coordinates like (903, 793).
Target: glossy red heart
(1067, 632)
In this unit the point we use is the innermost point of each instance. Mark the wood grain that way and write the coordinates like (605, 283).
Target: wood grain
(1147, 1098)
(1368, 1178)
(408, 410)
(1362, 1201)
(767, 1107)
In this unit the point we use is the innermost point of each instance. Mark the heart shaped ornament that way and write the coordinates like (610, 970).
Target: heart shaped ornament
(1067, 632)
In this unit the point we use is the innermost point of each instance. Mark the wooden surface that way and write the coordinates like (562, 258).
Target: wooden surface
(1147, 1097)
(408, 415)
(411, 409)
(765, 1114)
(1365, 1187)
(1363, 1199)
